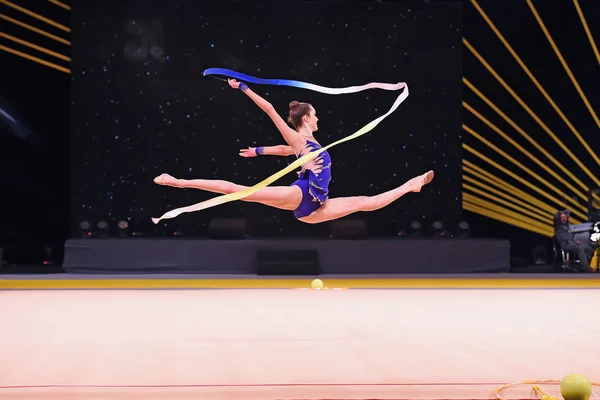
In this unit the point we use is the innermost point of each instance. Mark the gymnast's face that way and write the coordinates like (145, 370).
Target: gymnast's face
(311, 120)
(563, 218)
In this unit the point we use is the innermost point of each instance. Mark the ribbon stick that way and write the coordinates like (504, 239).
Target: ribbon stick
(304, 159)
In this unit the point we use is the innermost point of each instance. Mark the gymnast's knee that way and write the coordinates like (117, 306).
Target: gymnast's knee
(230, 187)
(367, 203)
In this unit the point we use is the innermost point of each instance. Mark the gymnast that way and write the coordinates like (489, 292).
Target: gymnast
(308, 197)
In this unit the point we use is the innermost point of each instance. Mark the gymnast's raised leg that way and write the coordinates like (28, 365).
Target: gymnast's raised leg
(335, 208)
(282, 197)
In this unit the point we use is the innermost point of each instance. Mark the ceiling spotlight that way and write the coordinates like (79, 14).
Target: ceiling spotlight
(123, 228)
(464, 229)
(103, 229)
(415, 228)
(438, 229)
(85, 229)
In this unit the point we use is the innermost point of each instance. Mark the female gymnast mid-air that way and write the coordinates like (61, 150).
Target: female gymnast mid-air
(308, 196)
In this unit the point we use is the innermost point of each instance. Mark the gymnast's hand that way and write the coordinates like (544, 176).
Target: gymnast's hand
(233, 83)
(249, 152)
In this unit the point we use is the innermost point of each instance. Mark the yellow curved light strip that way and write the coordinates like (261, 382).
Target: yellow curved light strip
(518, 178)
(587, 30)
(34, 46)
(493, 180)
(536, 118)
(564, 64)
(527, 153)
(524, 134)
(34, 59)
(505, 216)
(503, 185)
(505, 211)
(540, 213)
(34, 29)
(524, 168)
(35, 15)
(507, 220)
(566, 171)
(60, 4)
(478, 209)
(541, 218)
(540, 88)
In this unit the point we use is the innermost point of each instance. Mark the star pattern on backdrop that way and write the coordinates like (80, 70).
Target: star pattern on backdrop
(142, 106)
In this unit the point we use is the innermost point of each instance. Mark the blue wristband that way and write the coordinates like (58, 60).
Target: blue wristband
(259, 150)
(243, 87)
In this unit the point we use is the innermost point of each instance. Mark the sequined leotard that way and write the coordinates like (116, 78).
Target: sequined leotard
(313, 180)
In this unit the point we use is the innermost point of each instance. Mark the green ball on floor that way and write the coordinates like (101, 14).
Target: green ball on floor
(317, 284)
(575, 387)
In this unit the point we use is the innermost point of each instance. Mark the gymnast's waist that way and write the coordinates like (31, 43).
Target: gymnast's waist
(324, 175)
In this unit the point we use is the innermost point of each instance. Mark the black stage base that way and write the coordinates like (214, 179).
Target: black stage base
(286, 257)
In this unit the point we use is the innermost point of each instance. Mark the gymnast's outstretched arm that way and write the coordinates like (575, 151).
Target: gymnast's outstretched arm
(280, 150)
(292, 137)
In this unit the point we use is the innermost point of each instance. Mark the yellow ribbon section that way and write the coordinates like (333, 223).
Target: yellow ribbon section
(296, 164)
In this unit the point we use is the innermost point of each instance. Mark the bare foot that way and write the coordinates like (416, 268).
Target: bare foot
(418, 182)
(166, 180)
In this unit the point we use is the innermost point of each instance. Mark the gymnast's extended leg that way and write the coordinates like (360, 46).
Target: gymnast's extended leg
(282, 197)
(340, 207)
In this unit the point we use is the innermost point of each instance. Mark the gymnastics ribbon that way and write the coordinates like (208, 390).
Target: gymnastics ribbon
(304, 159)
(532, 382)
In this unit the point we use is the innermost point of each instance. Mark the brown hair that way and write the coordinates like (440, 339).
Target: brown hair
(297, 111)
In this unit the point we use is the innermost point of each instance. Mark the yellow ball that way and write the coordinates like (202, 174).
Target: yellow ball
(575, 387)
(317, 284)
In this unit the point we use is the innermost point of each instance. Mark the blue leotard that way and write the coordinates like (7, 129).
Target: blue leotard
(313, 181)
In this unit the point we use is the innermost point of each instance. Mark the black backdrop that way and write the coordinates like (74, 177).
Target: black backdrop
(140, 105)
(35, 172)
(34, 137)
